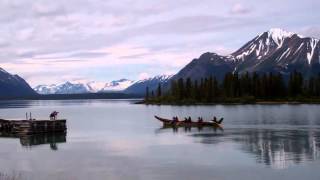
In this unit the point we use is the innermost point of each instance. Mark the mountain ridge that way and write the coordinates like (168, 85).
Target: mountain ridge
(152, 83)
(84, 87)
(275, 51)
(12, 85)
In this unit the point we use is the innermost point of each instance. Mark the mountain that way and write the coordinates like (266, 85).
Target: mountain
(46, 89)
(83, 87)
(139, 87)
(14, 86)
(65, 88)
(208, 64)
(118, 85)
(273, 51)
(279, 51)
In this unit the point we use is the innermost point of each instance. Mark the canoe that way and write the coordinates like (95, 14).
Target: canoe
(170, 123)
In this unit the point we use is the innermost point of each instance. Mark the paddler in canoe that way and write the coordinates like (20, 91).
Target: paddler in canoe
(215, 120)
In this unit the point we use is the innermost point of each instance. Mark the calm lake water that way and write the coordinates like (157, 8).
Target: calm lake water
(115, 139)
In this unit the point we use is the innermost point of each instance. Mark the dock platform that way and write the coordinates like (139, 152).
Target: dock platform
(27, 127)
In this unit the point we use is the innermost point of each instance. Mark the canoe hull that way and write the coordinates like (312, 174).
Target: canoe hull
(169, 123)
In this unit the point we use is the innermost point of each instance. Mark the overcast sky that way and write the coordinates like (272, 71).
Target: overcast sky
(58, 40)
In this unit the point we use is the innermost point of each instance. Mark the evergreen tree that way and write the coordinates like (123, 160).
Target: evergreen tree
(195, 91)
(311, 87)
(181, 90)
(256, 85)
(317, 85)
(266, 86)
(210, 90)
(159, 90)
(188, 88)
(147, 94)
(215, 92)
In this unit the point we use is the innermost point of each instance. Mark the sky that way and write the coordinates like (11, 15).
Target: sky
(47, 41)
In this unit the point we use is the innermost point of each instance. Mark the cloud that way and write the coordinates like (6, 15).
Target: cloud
(193, 24)
(47, 9)
(143, 76)
(112, 39)
(4, 43)
(313, 31)
(239, 8)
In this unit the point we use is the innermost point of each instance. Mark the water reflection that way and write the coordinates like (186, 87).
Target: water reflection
(31, 141)
(275, 148)
(15, 104)
(187, 129)
(8, 104)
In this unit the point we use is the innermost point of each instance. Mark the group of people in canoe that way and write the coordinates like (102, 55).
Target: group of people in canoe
(200, 120)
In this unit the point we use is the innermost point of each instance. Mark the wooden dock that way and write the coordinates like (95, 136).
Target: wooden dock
(26, 127)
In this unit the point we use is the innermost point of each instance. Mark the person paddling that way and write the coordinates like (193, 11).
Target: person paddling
(214, 119)
(200, 120)
(220, 121)
(175, 120)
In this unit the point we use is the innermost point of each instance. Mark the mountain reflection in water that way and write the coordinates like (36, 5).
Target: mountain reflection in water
(278, 148)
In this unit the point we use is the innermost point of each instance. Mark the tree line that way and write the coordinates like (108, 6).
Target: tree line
(238, 87)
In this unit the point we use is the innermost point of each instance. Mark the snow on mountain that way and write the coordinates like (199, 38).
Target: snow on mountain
(313, 44)
(264, 43)
(278, 35)
(83, 87)
(118, 85)
(279, 51)
(152, 83)
(46, 89)
(158, 78)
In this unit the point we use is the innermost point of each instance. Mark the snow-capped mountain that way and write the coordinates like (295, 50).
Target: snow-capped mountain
(118, 85)
(140, 86)
(273, 51)
(279, 51)
(14, 86)
(83, 87)
(65, 88)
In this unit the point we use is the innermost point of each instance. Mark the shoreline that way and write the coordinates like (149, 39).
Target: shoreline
(232, 103)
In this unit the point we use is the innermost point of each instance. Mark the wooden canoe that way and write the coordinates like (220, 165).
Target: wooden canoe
(171, 123)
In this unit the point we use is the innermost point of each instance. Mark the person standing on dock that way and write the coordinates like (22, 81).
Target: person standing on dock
(53, 115)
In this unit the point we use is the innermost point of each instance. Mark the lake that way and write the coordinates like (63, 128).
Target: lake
(116, 139)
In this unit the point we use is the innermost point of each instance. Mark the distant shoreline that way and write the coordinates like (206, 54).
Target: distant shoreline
(76, 96)
(259, 102)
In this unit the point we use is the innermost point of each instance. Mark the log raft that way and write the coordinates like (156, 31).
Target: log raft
(27, 127)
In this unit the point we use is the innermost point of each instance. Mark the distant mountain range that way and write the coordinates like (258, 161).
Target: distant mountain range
(12, 86)
(84, 87)
(139, 87)
(122, 85)
(273, 51)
